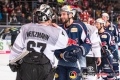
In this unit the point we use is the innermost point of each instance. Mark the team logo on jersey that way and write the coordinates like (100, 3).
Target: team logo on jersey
(111, 28)
(103, 43)
(73, 75)
(56, 75)
(90, 69)
(104, 36)
(74, 30)
(73, 42)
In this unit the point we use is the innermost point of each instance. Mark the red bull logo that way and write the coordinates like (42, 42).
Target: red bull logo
(73, 42)
(103, 43)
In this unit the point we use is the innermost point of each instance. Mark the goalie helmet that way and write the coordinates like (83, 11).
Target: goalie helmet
(44, 13)
(84, 16)
(69, 9)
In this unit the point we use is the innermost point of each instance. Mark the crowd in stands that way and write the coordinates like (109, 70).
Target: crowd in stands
(21, 12)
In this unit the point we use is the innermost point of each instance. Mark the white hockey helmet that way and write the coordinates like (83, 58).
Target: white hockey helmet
(69, 9)
(106, 15)
(100, 20)
(44, 13)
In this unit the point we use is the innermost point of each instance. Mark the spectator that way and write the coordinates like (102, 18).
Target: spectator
(13, 19)
(4, 15)
(23, 19)
(29, 19)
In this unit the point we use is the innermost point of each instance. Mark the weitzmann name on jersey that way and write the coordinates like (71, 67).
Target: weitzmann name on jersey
(37, 34)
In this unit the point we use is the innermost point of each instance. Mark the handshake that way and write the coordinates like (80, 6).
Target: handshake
(72, 53)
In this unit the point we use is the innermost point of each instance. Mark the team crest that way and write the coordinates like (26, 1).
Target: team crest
(111, 28)
(74, 30)
(73, 75)
(104, 36)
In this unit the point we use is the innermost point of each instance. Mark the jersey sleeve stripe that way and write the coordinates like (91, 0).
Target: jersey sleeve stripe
(17, 46)
(16, 51)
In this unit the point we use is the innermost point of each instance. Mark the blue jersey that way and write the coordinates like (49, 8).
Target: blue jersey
(113, 29)
(107, 39)
(78, 35)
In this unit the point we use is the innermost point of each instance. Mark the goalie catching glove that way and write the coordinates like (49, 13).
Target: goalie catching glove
(72, 53)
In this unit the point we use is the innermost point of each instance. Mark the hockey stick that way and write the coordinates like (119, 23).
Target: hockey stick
(23, 54)
(109, 64)
(111, 67)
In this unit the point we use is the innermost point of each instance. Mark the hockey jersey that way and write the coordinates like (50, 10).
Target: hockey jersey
(78, 35)
(39, 38)
(95, 41)
(114, 31)
(106, 39)
(14, 32)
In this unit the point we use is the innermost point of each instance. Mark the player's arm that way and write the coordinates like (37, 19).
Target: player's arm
(18, 45)
(61, 51)
(86, 46)
(96, 47)
(116, 33)
(61, 43)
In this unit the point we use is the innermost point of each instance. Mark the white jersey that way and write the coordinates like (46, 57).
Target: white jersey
(39, 38)
(95, 40)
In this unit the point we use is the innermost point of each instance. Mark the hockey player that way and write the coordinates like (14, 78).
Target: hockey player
(107, 50)
(40, 40)
(93, 58)
(114, 32)
(79, 45)
(14, 31)
(110, 27)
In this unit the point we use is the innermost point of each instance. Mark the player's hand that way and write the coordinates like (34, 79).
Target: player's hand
(54, 25)
(98, 61)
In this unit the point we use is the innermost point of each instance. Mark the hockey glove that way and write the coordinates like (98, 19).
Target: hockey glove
(14, 67)
(72, 53)
(107, 53)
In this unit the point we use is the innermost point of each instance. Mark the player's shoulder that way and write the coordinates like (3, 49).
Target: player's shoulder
(25, 26)
(79, 24)
(108, 33)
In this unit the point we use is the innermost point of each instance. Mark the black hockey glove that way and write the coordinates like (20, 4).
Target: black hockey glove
(14, 67)
(72, 53)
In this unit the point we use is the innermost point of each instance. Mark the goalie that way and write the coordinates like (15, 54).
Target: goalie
(40, 40)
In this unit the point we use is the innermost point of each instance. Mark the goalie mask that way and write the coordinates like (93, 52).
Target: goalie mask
(44, 13)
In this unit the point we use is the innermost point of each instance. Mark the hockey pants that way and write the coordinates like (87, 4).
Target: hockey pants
(35, 66)
(115, 62)
(106, 67)
(67, 73)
